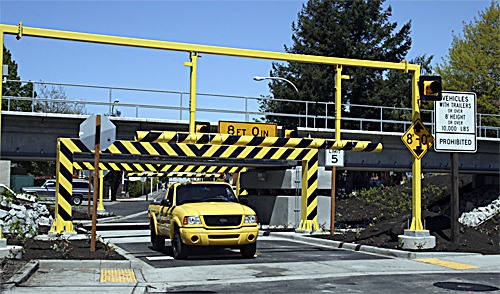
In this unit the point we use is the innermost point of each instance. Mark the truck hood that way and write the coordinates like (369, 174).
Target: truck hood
(215, 208)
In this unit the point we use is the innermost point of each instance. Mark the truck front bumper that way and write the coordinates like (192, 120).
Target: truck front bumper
(219, 237)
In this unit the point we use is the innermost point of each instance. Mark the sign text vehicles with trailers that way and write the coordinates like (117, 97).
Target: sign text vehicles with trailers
(202, 214)
(456, 117)
(236, 128)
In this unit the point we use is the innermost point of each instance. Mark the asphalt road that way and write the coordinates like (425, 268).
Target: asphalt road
(269, 251)
(419, 283)
(282, 265)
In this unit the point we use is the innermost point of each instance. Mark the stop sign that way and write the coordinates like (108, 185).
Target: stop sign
(88, 132)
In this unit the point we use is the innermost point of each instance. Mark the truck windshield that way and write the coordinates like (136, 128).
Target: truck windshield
(204, 193)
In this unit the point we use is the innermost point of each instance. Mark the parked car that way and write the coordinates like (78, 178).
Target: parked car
(48, 191)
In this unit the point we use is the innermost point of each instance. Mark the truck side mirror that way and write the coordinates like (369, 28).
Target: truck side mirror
(165, 202)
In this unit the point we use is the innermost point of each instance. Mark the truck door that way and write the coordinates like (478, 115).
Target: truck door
(165, 214)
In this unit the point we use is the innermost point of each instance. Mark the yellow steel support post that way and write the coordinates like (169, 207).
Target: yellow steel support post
(238, 185)
(192, 89)
(338, 100)
(100, 208)
(416, 220)
(416, 238)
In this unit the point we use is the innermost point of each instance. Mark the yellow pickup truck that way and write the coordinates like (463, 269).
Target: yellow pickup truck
(202, 214)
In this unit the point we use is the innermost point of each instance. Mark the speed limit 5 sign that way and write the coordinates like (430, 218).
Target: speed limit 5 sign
(334, 157)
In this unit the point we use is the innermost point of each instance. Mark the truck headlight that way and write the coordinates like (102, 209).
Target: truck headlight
(250, 219)
(192, 220)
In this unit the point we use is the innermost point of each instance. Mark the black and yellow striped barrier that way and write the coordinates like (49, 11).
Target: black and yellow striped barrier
(224, 139)
(146, 174)
(158, 168)
(67, 148)
(194, 175)
(176, 175)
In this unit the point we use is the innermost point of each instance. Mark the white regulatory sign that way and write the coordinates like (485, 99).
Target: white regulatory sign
(455, 119)
(334, 157)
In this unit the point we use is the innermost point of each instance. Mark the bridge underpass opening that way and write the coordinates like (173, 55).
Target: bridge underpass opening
(145, 156)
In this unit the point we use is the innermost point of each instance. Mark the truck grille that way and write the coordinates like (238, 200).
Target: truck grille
(222, 220)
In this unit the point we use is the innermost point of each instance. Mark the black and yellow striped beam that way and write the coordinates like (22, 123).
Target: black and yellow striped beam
(133, 149)
(158, 168)
(175, 175)
(193, 175)
(145, 174)
(224, 139)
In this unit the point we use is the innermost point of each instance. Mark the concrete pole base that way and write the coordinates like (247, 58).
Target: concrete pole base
(416, 240)
(11, 252)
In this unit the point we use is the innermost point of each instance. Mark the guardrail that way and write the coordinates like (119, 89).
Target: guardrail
(163, 104)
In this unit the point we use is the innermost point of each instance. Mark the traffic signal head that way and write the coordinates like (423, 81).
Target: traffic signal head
(430, 88)
(202, 127)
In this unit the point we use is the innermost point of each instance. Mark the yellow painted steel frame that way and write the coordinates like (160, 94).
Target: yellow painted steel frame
(225, 139)
(416, 203)
(68, 147)
(64, 188)
(195, 49)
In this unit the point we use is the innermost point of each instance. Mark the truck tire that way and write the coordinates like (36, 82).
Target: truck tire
(158, 242)
(249, 250)
(77, 200)
(179, 249)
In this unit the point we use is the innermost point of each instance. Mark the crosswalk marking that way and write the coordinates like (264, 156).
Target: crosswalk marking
(448, 264)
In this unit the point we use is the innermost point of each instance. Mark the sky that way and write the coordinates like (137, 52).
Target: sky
(260, 25)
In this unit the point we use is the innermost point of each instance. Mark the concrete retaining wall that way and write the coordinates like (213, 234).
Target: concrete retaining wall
(281, 210)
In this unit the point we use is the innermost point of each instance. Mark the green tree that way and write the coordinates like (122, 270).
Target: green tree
(396, 87)
(38, 168)
(349, 29)
(472, 63)
(15, 89)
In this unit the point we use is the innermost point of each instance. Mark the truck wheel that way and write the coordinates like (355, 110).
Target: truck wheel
(77, 200)
(248, 251)
(157, 241)
(179, 249)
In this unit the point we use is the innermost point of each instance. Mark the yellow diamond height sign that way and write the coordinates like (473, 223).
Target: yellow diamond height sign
(418, 139)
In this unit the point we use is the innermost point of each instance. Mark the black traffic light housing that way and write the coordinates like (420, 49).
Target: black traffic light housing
(201, 127)
(430, 88)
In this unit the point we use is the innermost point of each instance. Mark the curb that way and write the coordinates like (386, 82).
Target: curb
(96, 264)
(23, 274)
(367, 248)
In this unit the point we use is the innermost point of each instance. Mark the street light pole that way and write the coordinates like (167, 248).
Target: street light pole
(258, 78)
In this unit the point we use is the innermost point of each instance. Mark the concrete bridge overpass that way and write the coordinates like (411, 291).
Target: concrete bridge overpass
(33, 137)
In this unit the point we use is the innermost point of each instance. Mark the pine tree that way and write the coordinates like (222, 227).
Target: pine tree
(15, 89)
(349, 29)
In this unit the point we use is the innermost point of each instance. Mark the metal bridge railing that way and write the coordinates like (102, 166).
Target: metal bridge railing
(173, 105)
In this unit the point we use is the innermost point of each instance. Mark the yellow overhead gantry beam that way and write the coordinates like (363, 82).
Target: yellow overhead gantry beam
(194, 50)
(22, 31)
